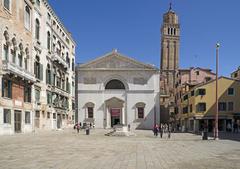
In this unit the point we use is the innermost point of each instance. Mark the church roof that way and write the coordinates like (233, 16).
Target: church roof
(116, 61)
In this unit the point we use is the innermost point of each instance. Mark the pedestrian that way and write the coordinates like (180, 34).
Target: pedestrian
(169, 130)
(90, 125)
(155, 130)
(235, 127)
(93, 125)
(80, 124)
(229, 127)
(78, 127)
(161, 130)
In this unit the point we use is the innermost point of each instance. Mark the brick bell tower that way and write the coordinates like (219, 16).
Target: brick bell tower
(170, 39)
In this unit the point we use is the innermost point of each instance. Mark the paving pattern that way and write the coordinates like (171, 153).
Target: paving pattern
(69, 150)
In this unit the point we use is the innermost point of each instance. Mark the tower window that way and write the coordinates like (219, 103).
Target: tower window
(168, 31)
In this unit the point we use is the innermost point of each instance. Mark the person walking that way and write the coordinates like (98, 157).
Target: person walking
(78, 127)
(161, 130)
(169, 130)
(235, 127)
(155, 130)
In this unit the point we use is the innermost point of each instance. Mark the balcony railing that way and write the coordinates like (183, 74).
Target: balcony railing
(15, 69)
(57, 58)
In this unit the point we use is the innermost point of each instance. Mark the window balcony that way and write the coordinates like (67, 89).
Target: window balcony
(17, 70)
(57, 58)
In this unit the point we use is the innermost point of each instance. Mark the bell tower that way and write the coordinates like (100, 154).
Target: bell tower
(170, 39)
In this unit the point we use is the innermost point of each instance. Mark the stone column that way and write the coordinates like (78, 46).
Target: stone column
(123, 116)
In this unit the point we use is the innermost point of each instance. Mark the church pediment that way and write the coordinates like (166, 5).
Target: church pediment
(116, 61)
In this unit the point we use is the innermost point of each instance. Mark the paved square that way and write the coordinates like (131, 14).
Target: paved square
(69, 150)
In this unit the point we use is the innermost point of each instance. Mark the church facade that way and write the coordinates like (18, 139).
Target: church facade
(115, 89)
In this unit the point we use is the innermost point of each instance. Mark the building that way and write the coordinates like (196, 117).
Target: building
(199, 105)
(115, 89)
(37, 68)
(186, 80)
(170, 41)
(236, 74)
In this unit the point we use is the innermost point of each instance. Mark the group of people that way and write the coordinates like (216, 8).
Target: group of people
(79, 126)
(161, 129)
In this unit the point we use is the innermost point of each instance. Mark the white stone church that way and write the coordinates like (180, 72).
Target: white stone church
(115, 89)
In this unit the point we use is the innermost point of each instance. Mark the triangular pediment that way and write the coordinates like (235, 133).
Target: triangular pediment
(117, 61)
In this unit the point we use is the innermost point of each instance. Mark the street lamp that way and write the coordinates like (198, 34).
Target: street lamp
(216, 116)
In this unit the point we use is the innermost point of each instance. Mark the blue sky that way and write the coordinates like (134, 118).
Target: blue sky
(133, 27)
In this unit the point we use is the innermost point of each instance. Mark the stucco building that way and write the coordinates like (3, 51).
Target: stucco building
(36, 68)
(115, 89)
(199, 105)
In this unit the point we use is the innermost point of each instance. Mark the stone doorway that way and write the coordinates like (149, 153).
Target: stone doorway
(59, 121)
(17, 121)
(115, 116)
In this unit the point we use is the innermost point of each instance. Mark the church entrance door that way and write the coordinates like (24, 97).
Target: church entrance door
(115, 116)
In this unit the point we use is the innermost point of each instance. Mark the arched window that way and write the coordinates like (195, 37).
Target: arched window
(48, 40)
(174, 31)
(68, 59)
(59, 76)
(115, 84)
(48, 74)
(168, 31)
(73, 64)
(171, 31)
(37, 29)
(59, 48)
(7, 4)
(27, 17)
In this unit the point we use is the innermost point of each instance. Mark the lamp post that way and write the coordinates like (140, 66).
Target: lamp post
(216, 116)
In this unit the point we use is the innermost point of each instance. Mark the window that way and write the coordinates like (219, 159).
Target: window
(192, 93)
(190, 107)
(48, 115)
(37, 29)
(90, 112)
(27, 93)
(73, 105)
(7, 4)
(230, 91)
(38, 69)
(222, 106)
(48, 74)
(185, 109)
(68, 59)
(26, 63)
(20, 59)
(6, 88)
(54, 115)
(202, 92)
(27, 17)
(37, 95)
(197, 73)
(201, 107)
(115, 84)
(208, 79)
(48, 40)
(140, 112)
(185, 97)
(72, 117)
(73, 64)
(27, 117)
(7, 116)
(6, 49)
(49, 97)
(235, 75)
(230, 106)
(37, 114)
(13, 52)
(63, 116)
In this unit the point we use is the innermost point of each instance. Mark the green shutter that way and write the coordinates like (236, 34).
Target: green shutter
(9, 88)
(2, 87)
(41, 72)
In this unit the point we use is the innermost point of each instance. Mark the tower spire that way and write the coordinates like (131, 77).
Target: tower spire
(170, 6)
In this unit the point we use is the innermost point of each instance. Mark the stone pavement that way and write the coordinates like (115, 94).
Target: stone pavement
(69, 150)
